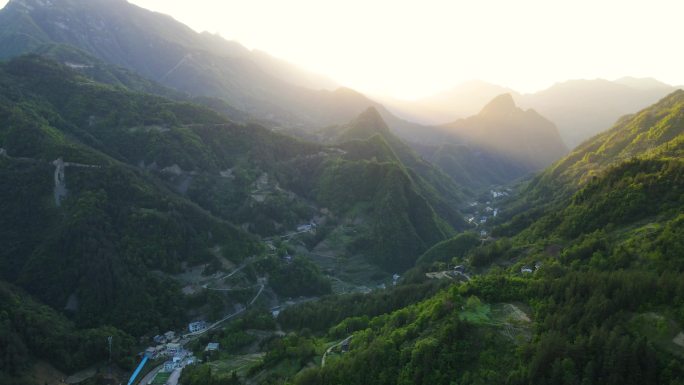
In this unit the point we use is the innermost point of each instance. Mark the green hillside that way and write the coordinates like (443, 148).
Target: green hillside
(151, 185)
(584, 288)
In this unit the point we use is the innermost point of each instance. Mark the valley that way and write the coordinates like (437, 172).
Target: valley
(179, 209)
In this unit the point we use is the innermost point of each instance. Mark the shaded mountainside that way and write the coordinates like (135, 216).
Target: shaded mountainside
(80, 235)
(379, 177)
(137, 162)
(440, 190)
(161, 49)
(106, 192)
(28, 329)
(121, 44)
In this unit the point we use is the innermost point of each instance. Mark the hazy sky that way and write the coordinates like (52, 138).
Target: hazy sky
(414, 48)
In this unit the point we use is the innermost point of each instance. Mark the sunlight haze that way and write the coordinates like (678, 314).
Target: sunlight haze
(410, 49)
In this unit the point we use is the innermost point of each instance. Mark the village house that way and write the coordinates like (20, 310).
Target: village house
(212, 347)
(172, 348)
(526, 270)
(151, 352)
(197, 326)
(179, 357)
(169, 335)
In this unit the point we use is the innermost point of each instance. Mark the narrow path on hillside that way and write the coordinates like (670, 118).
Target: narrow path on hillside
(331, 348)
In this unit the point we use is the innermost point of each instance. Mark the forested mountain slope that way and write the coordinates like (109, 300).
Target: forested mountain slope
(107, 192)
(166, 51)
(114, 41)
(581, 285)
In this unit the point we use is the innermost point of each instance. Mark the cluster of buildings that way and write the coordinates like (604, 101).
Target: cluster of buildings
(169, 336)
(481, 218)
(169, 347)
(499, 194)
(180, 359)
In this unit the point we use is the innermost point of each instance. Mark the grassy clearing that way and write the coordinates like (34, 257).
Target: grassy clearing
(476, 312)
(238, 364)
(161, 378)
(660, 330)
(509, 318)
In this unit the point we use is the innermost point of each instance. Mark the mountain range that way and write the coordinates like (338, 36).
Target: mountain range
(244, 84)
(153, 176)
(584, 276)
(163, 50)
(579, 108)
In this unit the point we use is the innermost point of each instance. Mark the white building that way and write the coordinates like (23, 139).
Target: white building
(197, 326)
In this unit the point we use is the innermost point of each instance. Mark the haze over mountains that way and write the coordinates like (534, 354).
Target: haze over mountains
(153, 176)
(579, 108)
(164, 50)
(246, 85)
(276, 92)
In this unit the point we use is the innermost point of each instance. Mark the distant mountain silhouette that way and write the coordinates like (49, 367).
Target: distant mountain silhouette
(250, 85)
(579, 108)
(584, 108)
(461, 101)
(496, 146)
(502, 127)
